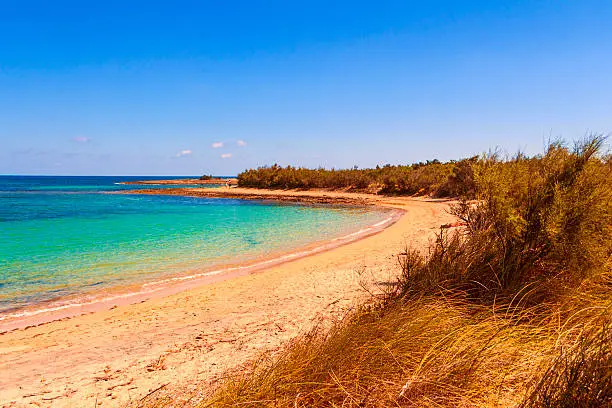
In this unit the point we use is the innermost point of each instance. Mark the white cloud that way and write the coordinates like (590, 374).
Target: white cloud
(184, 153)
(241, 143)
(226, 155)
(217, 145)
(81, 139)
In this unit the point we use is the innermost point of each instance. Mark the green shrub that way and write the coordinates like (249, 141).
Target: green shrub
(430, 178)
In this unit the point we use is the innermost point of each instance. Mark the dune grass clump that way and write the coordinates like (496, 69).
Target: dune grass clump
(421, 353)
(541, 224)
(426, 352)
(514, 308)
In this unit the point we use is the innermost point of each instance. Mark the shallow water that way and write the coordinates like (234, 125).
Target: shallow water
(63, 236)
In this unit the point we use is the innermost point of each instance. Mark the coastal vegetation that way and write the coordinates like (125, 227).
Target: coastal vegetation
(452, 178)
(512, 308)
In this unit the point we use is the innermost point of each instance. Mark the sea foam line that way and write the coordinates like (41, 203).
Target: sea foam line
(272, 260)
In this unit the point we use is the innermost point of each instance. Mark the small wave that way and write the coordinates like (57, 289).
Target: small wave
(73, 304)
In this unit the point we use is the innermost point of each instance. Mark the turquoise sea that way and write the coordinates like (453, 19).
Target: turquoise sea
(67, 236)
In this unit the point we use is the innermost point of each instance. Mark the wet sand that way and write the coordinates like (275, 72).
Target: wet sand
(187, 340)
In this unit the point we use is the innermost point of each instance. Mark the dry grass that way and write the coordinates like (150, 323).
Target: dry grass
(515, 309)
(426, 352)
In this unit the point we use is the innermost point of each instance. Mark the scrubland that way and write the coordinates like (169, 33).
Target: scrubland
(511, 308)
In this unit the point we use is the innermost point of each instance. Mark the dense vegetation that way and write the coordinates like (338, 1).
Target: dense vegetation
(453, 178)
(513, 309)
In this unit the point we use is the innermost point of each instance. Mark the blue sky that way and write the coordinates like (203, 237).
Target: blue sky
(187, 87)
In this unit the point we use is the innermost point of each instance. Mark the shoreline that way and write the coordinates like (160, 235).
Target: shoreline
(189, 339)
(91, 302)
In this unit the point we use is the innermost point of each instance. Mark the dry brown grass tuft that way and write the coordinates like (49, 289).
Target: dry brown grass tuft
(426, 352)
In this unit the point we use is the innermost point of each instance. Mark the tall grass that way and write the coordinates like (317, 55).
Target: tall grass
(541, 224)
(513, 309)
(578, 377)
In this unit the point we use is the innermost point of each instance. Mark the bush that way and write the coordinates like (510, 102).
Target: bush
(430, 178)
(541, 223)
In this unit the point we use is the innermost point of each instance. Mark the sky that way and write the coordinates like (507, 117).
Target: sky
(198, 87)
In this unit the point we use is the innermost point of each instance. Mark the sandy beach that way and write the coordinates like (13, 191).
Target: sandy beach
(187, 340)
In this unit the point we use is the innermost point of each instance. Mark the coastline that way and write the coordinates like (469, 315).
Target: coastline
(290, 196)
(269, 306)
(134, 293)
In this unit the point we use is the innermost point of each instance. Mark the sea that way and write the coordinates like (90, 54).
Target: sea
(68, 237)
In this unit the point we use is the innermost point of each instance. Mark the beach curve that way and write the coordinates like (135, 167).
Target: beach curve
(206, 330)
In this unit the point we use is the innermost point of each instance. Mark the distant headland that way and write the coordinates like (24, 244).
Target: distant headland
(204, 180)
